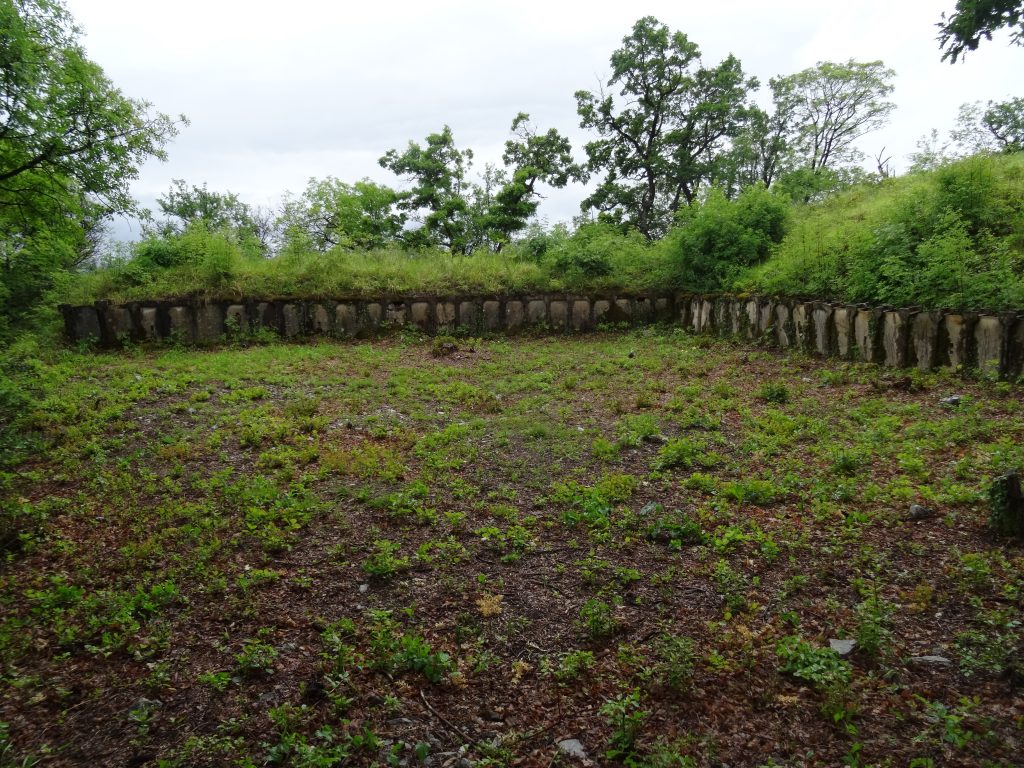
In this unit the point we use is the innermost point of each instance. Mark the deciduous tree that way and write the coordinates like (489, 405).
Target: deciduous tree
(973, 20)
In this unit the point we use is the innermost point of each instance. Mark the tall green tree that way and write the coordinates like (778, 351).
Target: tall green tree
(438, 171)
(532, 158)
(70, 146)
(335, 214)
(663, 140)
(974, 20)
(829, 106)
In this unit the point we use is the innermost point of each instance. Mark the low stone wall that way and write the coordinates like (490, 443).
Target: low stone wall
(992, 343)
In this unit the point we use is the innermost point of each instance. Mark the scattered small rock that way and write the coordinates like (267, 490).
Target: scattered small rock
(364, 588)
(917, 512)
(842, 647)
(631, 355)
(939, 661)
(572, 748)
(953, 401)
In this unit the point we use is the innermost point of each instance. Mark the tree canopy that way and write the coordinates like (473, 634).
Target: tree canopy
(975, 20)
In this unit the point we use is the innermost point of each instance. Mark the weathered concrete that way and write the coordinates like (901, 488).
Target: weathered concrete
(320, 319)
(558, 313)
(1014, 367)
(752, 316)
(515, 314)
(149, 329)
(988, 339)
(83, 325)
(118, 325)
(866, 336)
(644, 311)
(346, 319)
(803, 330)
(842, 325)
(736, 317)
(601, 309)
(924, 340)
(765, 317)
(622, 312)
(419, 314)
(894, 338)
(492, 315)
(785, 334)
(293, 320)
(373, 314)
(696, 314)
(236, 319)
(955, 349)
(821, 320)
(469, 315)
(395, 314)
(179, 322)
(536, 312)
(581, 315)
(446, 315)
(267, 316)
(720, 322)
(663, 310)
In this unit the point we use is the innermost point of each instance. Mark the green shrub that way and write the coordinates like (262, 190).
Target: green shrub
(819, 666)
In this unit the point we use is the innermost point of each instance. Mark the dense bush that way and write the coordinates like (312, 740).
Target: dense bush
(953, 237)
(719, 239)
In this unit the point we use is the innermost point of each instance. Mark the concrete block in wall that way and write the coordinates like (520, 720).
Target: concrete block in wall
(419, 314)
(1014, 367)
(83, 324)
(803, 327)
(842, 325)
(371, 318)
(236, 319)
(394, 314)
(346, 319)
(765, 317)
(118, 326)
(293, 320)
(821, 320)
(895, 336)
(622, 311)
(720, 322)
(751, 315)
(267, 315)
(446, 315)
(988, 340)
(581, 315)
(515, 314)
(320, 320)
(209, 323)
(536, 312)
(955, 341)
(558, 314)
(707, 311)
(469, 315)
(663, 309)
(924, 340)
(148, 328)
(644, 310)
(866, 336)
(492, 315)
(736, 317)
(179, 324)
(682, 304)
(785, 335)
(696, 314)
(601, 309)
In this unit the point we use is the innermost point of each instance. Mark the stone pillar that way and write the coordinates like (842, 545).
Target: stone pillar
(469, 316)
(581, 315)
(751, 317)
(663, 309)
(988, 339)
(1015, 349)
(955, 346)
(446, 315)
(601, 309)
(736, 317)
(148, 326)
(720, 321)
(866, 335)
(821, 320)
(895, 337)
(180, 326)
(622, 312)
(371, 318)
(924, 340)
(320, 320)
(842, 322)
(267, 316)
(346, 319)
(236, 319)
(492, 315)
(765, 317)
(536, 312)
(644, 310)
(419, 314)
(785, 333)
(683, 309)
(394, 314)
(558, 313)
(293, 320)
(697, 314)
(803, 327)
(515, 314)
(82, 324)
(118, 327)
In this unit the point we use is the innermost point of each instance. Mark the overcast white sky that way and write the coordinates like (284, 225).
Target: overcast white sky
(281, 92)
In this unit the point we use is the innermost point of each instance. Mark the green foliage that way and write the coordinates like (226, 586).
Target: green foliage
(773, 392)
(820, 666)
(661, 144)
(332, 214)
(675, 659)
(597, 619)
(973, 20)
(946, 238)
(625, 717)
(718, 239)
